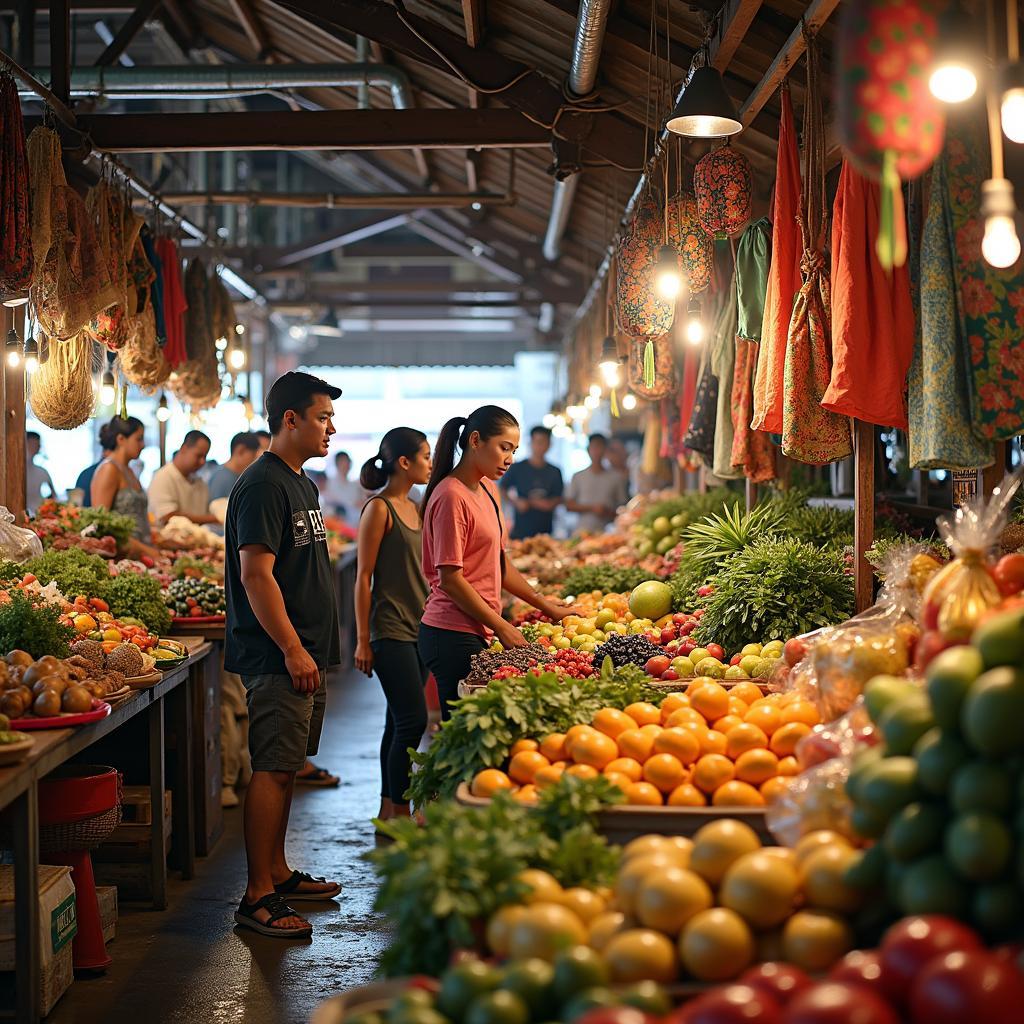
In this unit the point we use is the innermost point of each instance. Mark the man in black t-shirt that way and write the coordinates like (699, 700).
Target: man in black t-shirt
(534, 487)
(281, 637)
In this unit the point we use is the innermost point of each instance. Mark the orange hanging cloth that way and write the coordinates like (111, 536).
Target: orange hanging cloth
(784, 278)
(872, 315)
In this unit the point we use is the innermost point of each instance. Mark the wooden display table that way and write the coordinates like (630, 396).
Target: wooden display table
(173, 695)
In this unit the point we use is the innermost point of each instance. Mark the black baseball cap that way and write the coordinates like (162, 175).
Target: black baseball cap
(293, 390)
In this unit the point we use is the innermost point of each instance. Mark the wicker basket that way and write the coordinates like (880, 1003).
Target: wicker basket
(85, 834)
(79, 806)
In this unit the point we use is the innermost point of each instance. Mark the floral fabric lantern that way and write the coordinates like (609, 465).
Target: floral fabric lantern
(664, 378)
(890, 125)
(695, 247)
(723, 182)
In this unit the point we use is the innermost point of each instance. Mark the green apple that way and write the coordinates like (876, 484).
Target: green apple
(637, 626)
(682, 667)
(603, 617)
(735, 672)
(579, 640)
(772, 645)
(562, 643)
(711, 667)
(599, 636)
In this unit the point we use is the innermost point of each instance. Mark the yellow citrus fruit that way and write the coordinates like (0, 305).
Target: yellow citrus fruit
(746, 691)
(737, 794)
(717, 845)
(668, 899)
(549, 776)
(815, 939)
(761, 888)
(713, 742)
(521, 745)
(644, 714)
(544, 931)
(595, 749)
(775, 789)
(612, 721)
(582, 771)
(541, 886)
(604, 926)
(766, 717)
(801, 711)
(553, 747)
(680, 743)
(743, 738)
(525, 765)
(686, 795)
(664, 771)
(823, 877)
(489, 781)
(710, 699)
(644, 845)
(499, 928)
(636, 745)
(635, 872)
(626, 766)
(643, 794)
(814, 841)
(641, 954)
(787, 736)
(584, 903)
(712, 771)
(716, 945)
(756, 766)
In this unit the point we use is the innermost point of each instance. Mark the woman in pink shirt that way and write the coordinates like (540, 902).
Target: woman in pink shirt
(464, 540)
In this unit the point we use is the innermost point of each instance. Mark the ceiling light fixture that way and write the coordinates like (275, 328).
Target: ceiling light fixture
(694, 323)
(629, 401)
(108, 389)
(704, 110)
(667, 280)
(1000, 245)
(31, 354)
(609, 364)
(13, 349)
(953, 78)
(163, 413)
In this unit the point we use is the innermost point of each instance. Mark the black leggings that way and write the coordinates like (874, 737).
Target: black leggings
(402, 676)
(447, 653)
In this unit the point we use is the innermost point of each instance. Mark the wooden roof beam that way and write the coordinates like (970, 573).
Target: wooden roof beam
(253, 28)
(731, 26)
(473, 15)
(127, 32)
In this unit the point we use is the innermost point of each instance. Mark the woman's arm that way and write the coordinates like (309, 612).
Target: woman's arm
(458, 588)
(105, 483)
(516, 585)
(372, 527)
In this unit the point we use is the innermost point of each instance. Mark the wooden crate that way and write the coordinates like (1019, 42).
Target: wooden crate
(130, 841)
(106, 897)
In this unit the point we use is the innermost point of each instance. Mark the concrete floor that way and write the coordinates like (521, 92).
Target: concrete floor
(189, 963)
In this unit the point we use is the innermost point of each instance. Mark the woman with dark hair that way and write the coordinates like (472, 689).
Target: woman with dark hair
(115, 485)
(390, 593)
(464, 549)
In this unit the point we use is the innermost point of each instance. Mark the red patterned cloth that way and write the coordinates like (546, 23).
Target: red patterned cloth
(175, 304)
(752, 450)
(15, 226)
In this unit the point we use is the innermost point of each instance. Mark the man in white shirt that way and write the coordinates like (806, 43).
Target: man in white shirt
(596, 492)
(36, 478)
(344, 497)
(176, 490)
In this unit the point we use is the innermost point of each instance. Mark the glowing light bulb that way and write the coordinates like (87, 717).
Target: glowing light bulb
(1013, 114)
(694, 324)
(163, 414)
(221, 343)
(610, 373)
(1000, 246)
(239, 328)
(14, 360)
(591, 402)
(108, 391)
(953, 82)
(236, 359)
(13, 349)
(667, 280)
(629, 401)
(31, 363)
(549, 420)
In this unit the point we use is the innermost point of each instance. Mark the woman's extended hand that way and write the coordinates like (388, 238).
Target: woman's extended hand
(555, 610)
(364, 657)
(509, 636)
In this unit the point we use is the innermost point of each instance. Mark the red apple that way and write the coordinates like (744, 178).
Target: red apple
(735, 659)
(716, 651)
(968, 986)
(655, 638)
(865, 967)
(688, 627)
(1009, 574)
(670, 675)
(794, 651)
(910, 944)
(783, 981)
(687, 648)
(667, 635)
(836, 1002)
(656, 666)
(680, 618)
(735, 1004)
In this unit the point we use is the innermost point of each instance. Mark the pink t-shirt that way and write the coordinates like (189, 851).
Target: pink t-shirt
(460, 528)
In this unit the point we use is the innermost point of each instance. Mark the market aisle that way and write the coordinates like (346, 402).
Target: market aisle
(190, 964)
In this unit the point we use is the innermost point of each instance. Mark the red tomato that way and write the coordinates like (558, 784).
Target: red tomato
(782, 981)
(1009, 574)
(656, 666)
(837, 1002)
(716, 651)
(735, 1004)
(794, 651)
(909, 945)
(667, 635)
(973, 986)
(865, 967)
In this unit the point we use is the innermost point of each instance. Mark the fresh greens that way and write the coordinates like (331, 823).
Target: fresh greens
(609, 579)
(107, 524)
(34, 628)
(74, 572)
(821, 525)
(691, 506)
(131, 595)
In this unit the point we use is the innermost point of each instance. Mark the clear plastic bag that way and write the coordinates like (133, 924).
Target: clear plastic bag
(17, 543)
(815, 800)
(841, 738)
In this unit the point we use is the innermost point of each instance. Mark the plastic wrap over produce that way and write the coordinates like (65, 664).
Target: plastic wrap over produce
(16, 543)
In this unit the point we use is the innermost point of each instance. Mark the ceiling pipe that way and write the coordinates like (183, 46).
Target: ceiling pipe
(586, 56)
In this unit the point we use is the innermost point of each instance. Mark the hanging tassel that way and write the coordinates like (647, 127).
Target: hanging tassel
(891, 245)
(614, 405)
(122, 409)
(649, 375)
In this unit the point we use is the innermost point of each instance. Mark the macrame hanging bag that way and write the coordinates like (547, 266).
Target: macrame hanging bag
(61, 392)
(15, 221)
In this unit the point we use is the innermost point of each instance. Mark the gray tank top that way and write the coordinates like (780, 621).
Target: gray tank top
(131, 502)
(399, 589)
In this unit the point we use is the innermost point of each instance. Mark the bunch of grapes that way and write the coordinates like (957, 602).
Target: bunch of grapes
(626, 649)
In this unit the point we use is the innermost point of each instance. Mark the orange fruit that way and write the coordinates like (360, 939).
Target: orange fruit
(789, 766)
(525, 765)
(520, 745)
(574, 734)
(636, 744)
(686, 795)
(499, 927)
(801, 711)
(775, 788)
(611, 722)
(746, 691)
(683, 715)
(603, 927)
(727, 723)
(643, 793)
(716, 945)
(595, 749)
(681, 743)
(673, 702)
(787, 736)
(737, 706)
(766, 717)
(664, 771)
(713, 742)
(553, 747)
(549, 776)
(644, 714)
(618, 779)
(710, 699)
(712, 771)
(641, 954)
(667, 899)
(544, 930)
(652, 729)
(718, 845)
(541, 886)
(584, 903)
(761, 888)
(634, 770)
(489, 781)
(816, 939)
(737, 794)
(756, 766)
(526, 794)
(743, 738)
(582, 771)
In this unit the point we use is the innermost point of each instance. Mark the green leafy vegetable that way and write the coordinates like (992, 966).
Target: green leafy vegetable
(107, 524)
(821, 525)
(609, 579)
(131, 595)
(73, 570)
(33, 628)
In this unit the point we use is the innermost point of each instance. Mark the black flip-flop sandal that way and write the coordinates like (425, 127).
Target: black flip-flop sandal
(318, 777)
(290, 888)
(277, 906)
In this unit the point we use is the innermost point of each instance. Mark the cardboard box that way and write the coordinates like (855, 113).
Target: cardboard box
(58, 925)
(106, 897)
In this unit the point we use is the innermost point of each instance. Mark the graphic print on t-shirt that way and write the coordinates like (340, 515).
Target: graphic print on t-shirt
(301, 527)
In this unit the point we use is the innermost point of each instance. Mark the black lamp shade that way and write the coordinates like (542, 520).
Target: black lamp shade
(705, 111)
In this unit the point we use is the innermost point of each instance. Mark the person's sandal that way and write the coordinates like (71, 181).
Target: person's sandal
(290, 888)
(277, 906)
(318, 777)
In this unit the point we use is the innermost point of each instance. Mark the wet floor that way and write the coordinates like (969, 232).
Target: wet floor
(189, 963)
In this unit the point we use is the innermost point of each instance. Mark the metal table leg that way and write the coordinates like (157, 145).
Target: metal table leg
(183, 832)
(158, 845)
(25, 824)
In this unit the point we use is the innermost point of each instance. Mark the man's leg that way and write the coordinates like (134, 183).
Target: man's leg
(279, 869)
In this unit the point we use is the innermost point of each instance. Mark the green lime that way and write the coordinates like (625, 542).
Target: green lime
(930, 886)
(981, 786)
(500, 1007)
(997, 908)
(915, 831)
(463, 983)
(414, 1006)
(905, 721)
(993, 711)
(867, 822)
(863, 761)
(882, 691)
(576, 970)
(978, 846)
(868, 870)
(531, 981)
(939, 754)
(648, 996)
(412, 998)
(419, 1015)
(894, 875)
(890, 785)
(950, 677)
(589, 999)
(1000, 641)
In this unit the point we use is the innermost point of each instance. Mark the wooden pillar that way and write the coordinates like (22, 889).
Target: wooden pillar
(751, 494)
(25, 33)
(864, 512)
(60, 50)
(12, 434)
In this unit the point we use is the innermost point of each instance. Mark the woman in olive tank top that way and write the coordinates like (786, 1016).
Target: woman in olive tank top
(390, 594)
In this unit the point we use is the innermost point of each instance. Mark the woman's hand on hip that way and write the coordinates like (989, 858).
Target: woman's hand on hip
(364, 657)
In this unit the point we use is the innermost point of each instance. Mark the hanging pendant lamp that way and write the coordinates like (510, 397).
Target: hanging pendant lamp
(705, 110)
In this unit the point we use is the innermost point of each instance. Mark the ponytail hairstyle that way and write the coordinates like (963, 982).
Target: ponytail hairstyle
(488, 421)
(397, 443)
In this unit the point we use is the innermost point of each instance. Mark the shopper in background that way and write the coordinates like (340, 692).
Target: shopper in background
(245, 449)
(596, 492)
(389, 599)
(534, 487)
(282, 636)
(345, 497)
(263, 436)
(464, 549)
(176, 489)
(84, 481)
(115, 485)
(618, 460)
(36, 478)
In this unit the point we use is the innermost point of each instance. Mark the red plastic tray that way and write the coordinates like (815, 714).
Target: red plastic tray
(201, 620)
(100, 709)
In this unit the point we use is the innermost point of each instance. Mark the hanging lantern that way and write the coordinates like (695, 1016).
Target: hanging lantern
(109, 328)
(648, 221)
(723, 182)
(641, 355)
(889, 123)
(696, 249)
(639, 310)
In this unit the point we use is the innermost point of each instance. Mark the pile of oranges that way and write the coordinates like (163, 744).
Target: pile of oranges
(706, 746)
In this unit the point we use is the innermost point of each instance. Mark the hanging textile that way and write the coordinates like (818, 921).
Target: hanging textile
(15, 218)
(687, 396)
(753, 264)
(752, 450)
(696, 250)
(809, 432)
(723, 183)
(872, 316)
(700, 434)
(43, 152)
(940, 431)
(141, 276)
(175, 303)
(157, 289)
(783, 277)
(222, 309)
(722, 357)
(198, 334)
(197, 380)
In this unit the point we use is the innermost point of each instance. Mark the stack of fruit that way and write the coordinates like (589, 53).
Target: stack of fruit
(92, 620)
(194, 598)
(709, 745)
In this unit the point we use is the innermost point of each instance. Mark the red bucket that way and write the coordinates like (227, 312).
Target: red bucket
(74, 792)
